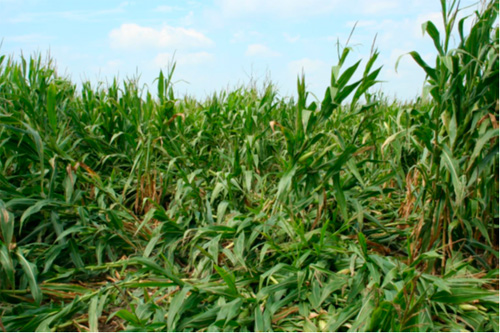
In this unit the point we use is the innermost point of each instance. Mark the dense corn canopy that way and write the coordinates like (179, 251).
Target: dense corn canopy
(124, 209)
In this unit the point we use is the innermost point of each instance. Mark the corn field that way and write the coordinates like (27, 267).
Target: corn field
(129, 209)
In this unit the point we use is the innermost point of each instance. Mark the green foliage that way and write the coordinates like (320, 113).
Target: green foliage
(120, 210)
(460, 167)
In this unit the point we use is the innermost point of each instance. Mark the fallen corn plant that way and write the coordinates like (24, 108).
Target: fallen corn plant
(121, 210)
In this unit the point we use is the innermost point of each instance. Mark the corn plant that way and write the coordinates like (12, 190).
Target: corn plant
(123, 209)
(459, 136)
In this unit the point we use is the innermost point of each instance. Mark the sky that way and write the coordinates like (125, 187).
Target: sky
(223, 44)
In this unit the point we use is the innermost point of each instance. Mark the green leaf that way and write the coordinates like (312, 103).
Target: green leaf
(31, 274)
(463, 295)
(453, 168)
(434, 33)
(33, 210)
(149, 215)
(481, 142)
(164, 271)
(306, 115)
(128, 316)
(341, 317)
(221, 211)
(362, 243)
(258, 320)
(346, 75)
(7, 266)
(176, 308)
(431, 72)
(93, 318)
(161, 86)
(6, 224)
(340, 197)
(228, 278)
(152, 243)
(285, 183)
(51, 106)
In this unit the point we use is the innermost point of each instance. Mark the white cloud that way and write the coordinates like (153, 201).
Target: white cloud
(115, 63)
(164, 9)
(188, 19)
(317, 74)
(133, 36)
(126, 4)
(260, 50)
(291, 39)
(196, 58)
(244, 36)
(307, 65)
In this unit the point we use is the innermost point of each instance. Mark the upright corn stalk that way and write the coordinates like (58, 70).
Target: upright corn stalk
(461, 173)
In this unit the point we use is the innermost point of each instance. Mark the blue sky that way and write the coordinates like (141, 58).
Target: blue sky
(220, 44)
